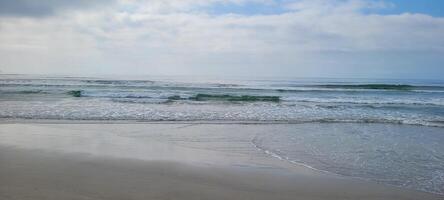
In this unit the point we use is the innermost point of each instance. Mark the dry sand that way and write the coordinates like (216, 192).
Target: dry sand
(31, 168)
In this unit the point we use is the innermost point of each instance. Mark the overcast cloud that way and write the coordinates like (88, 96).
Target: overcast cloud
(305, 38)
(43, 8)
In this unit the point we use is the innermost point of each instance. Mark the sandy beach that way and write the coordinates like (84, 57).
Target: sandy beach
(221, 100)
(158, 161)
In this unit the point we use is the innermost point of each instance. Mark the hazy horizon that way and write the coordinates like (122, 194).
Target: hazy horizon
(219, 76)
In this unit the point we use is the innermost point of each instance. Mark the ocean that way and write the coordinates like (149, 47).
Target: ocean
(390, 131)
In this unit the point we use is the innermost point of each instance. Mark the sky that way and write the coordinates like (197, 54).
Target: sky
(291, 38)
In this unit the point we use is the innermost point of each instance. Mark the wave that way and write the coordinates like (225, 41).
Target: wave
(204, 120)
(371, 86)
(119, 82)
(223, 88)
(175, 97)
(256, 98)
(140, 101)
(75, 93)
(397, 87)
(197, 97)
(232, 96)
(24, 92)
(372, 103)
(226, 97)
(356, 87)
(112, 95)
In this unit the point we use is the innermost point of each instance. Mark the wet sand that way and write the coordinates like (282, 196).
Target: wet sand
(160, 161)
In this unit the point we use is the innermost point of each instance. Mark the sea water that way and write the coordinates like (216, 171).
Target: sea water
(190, 99)
(390, 131)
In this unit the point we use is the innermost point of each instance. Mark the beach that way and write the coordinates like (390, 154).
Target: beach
(222, 99)
(162, 161)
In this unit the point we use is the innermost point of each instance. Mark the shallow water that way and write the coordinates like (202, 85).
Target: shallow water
(401, 155)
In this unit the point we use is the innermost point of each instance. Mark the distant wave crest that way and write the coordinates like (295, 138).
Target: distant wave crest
(227, 97)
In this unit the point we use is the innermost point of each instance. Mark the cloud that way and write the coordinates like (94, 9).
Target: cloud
(312, 38)
(329, 6)
(43, 8)
(338, 28)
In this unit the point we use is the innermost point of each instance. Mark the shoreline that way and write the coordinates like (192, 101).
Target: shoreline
(203, 122)
(59, 141)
